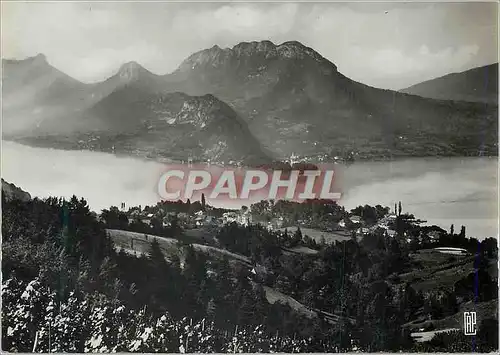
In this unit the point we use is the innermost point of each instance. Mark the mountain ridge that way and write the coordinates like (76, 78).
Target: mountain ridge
(294, 101)
(303, 104)
(288, 50)
(479, 84)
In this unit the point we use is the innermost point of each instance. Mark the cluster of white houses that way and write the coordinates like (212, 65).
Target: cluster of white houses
(387, 224)
(198, 219)
(357, 222)
(244, 217)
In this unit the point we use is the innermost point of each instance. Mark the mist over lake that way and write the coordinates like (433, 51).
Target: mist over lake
(442, 191)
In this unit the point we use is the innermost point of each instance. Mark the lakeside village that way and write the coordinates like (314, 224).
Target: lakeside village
(96, 142)
(318, 222)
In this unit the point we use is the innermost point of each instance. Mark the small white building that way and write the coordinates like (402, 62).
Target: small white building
(355, 219)
(205, 220)
(230, 217)
(452, 250)
(434, 236)
(199, 221)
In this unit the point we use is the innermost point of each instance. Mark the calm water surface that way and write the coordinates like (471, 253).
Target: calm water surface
(443, 191)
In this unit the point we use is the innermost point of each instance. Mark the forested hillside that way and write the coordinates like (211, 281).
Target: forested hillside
(65, 288)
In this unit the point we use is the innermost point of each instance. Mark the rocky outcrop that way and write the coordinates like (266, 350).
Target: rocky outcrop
(244, 52)
(12, 192)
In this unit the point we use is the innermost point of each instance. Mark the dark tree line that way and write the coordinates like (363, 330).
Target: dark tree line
(353, 286)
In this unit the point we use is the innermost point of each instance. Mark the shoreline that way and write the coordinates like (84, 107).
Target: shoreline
(160, 160)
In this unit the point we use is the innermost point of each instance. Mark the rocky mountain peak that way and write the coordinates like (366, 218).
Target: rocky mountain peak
(295, 49)
(131, 71)
(216, 56)
(255, 47)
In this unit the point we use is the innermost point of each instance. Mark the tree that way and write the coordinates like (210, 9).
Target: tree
(450, 305)
(246, 311)
(477, 286)
(297, 237)
(175, 228)
(462, 232)
(203, 201)
(283, 284)
(396, 257)
(114, 218)
(195, 273)
(381, 211)
(410, 302)
(211, 309)
(155, 253)
(488, 335)
(407, 223)
(159, 281)
(260, 308)
(156, 225)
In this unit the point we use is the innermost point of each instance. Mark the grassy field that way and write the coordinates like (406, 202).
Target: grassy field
(430, 258)
(202, 235)
(222, 252)
(300, 250)
(317, 235)
(140, 243)
(435, 270)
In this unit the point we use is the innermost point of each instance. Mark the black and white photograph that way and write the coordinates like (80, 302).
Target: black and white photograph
(249, 177)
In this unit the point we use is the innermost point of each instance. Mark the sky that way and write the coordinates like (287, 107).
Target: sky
(388, 45)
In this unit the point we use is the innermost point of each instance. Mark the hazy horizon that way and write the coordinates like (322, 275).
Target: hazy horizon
(386, 45)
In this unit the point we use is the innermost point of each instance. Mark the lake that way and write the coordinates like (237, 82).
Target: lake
(442, 191)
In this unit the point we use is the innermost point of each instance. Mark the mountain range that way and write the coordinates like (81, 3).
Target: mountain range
(474, 85)
(255, 102)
